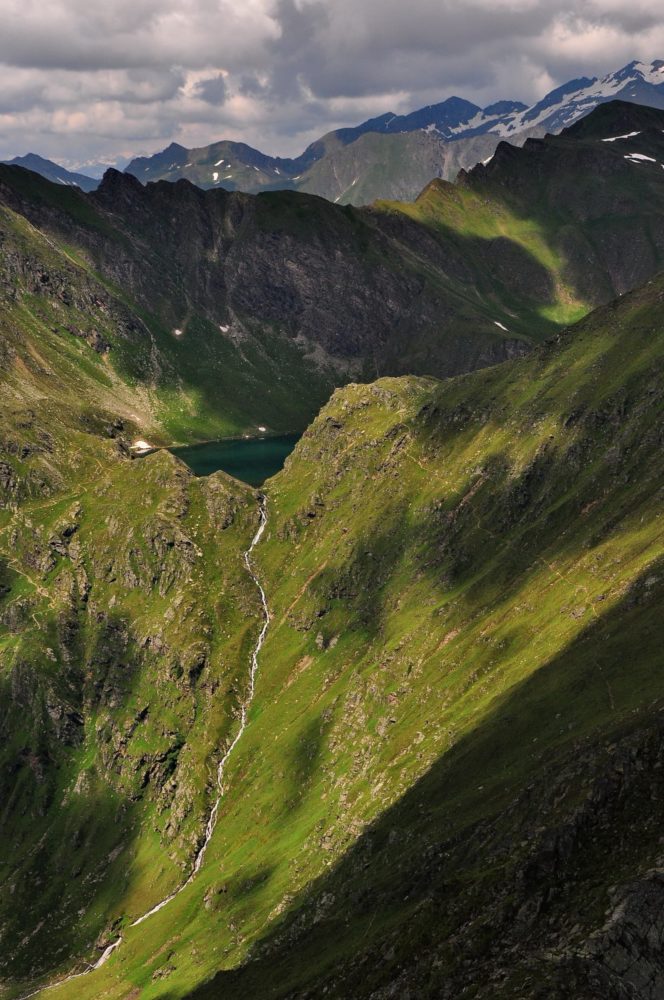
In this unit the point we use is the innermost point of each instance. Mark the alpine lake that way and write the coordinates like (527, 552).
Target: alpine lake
(253, 460)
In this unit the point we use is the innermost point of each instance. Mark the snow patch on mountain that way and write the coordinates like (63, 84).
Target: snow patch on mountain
(630, 135)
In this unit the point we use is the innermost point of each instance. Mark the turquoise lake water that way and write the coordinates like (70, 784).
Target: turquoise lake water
(253, 460)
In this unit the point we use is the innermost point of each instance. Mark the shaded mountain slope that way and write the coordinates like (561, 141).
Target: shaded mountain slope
(585, 203)
(458, 715)
(55, 282)
(249, 309)
(598, 209)
(239, 303)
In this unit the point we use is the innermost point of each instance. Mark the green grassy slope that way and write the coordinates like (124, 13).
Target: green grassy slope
(126, 615)
(458, 710)
(63, 399)
(481, 565)
(576, 205)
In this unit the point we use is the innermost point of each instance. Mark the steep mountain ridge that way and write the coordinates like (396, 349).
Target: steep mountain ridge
(458, 709)
(498, 520)
(253, 286)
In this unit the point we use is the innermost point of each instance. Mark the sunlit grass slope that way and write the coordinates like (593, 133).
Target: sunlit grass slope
(126, 616)
(461, 672)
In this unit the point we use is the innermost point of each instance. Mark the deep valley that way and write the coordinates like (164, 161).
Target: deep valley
(424, 657)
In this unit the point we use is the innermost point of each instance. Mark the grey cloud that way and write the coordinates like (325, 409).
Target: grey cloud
(92, 80)
(213, 91)
(387, 45)
(130, 34)
(627, 17)
(249, 85)
(300, 46)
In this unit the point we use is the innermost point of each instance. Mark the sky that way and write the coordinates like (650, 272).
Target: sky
(86, 81)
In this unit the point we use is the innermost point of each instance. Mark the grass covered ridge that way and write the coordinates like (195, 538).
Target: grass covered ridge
(465, 580)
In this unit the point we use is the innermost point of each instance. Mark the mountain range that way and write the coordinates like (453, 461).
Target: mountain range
(406, 697)
(391, 156)
(395, 156)
(468, 275)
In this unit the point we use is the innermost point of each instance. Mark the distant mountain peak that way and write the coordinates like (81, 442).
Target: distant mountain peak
(117, 185)
(53, 171)
(175, 147)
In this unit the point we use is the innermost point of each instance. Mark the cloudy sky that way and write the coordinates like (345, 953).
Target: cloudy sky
(84, 81)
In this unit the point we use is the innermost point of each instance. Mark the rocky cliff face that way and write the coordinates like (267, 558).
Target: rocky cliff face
(210, 294)
(332, 281)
